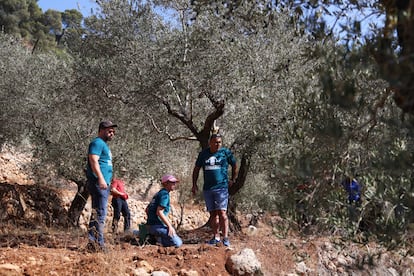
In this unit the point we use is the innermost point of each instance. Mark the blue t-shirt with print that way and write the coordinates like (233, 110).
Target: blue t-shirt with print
(162, 198)
(215, 167)
(100, 147)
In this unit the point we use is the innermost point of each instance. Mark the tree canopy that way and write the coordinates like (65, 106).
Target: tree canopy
(40, 30)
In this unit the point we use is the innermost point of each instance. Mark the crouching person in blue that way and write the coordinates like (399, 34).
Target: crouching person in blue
(157, 211)
(353, 189)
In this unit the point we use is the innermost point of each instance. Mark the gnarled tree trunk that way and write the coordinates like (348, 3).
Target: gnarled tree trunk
(78, 203)
(241, 179)
(396, 67)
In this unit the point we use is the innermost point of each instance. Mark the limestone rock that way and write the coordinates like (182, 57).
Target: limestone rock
(244, 263)
(10, 270)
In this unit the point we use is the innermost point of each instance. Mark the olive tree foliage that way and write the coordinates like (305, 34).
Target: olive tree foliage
(166, 84)
(204, 69)
(114, 75)
(343, 134)
(379, 143)
(41, 109)
(293, 108)
(383, 25)
(342, 128)
(32, 90)
(262, 80)
(330, 132)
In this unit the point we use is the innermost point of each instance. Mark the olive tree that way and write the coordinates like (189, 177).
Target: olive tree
(384, 25)
(338, 128)
(31, 85)
(184, 78)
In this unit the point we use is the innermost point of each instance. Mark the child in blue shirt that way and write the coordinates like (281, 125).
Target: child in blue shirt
(158, 222)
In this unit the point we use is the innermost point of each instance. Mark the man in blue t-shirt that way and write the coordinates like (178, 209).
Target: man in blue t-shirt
(99, 176)
(157, 211)
(215, 161)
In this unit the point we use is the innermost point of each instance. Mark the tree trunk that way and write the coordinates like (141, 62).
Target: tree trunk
(78, 203)
(241, 177)
(203, 137)
(396, 68)
(234, 223)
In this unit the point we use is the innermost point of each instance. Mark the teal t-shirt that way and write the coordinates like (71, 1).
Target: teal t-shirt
(162, 198)
(215, 167)
(100, 147)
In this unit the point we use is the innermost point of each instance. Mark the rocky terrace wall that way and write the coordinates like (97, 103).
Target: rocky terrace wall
(18, 200)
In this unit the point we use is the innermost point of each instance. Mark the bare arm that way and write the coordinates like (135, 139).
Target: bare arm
(115, 191)
(234, 172)
(94, 162)
(196, 172)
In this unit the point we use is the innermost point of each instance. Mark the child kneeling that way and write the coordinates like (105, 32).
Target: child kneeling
(158, 223)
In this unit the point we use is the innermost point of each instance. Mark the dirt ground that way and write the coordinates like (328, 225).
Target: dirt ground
(47, 251)
(29, 249)
(63, 252)
(30, 244)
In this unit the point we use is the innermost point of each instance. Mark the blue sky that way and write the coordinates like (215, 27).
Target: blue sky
(84, 6)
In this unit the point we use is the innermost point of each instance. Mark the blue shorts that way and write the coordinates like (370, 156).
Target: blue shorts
(217, 199)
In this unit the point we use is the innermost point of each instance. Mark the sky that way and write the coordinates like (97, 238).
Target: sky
(84, 6)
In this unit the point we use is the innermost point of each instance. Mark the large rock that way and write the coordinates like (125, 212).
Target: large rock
(10, 270)
(244, 263)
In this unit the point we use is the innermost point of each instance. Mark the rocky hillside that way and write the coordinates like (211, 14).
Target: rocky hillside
(31, 244)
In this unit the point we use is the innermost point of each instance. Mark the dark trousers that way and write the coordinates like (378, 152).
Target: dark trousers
(120, 206)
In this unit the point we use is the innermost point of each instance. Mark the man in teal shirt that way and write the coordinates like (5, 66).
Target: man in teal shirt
(215, 161)
(99, 176)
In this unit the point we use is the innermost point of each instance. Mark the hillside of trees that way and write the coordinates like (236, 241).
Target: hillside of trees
(297, 102)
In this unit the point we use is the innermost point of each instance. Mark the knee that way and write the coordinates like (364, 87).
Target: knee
(223, 214)
(177, 241)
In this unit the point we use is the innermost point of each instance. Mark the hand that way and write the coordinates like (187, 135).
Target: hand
(194, 190)
(102, 185)
(125, 196)
(171, 231)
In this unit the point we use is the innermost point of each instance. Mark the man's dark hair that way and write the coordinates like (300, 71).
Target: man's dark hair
(216, 135)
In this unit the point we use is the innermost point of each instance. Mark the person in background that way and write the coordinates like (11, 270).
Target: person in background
(120, 205)
(99, 176)
(353, 189)
(159, 225)
(215, 161)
